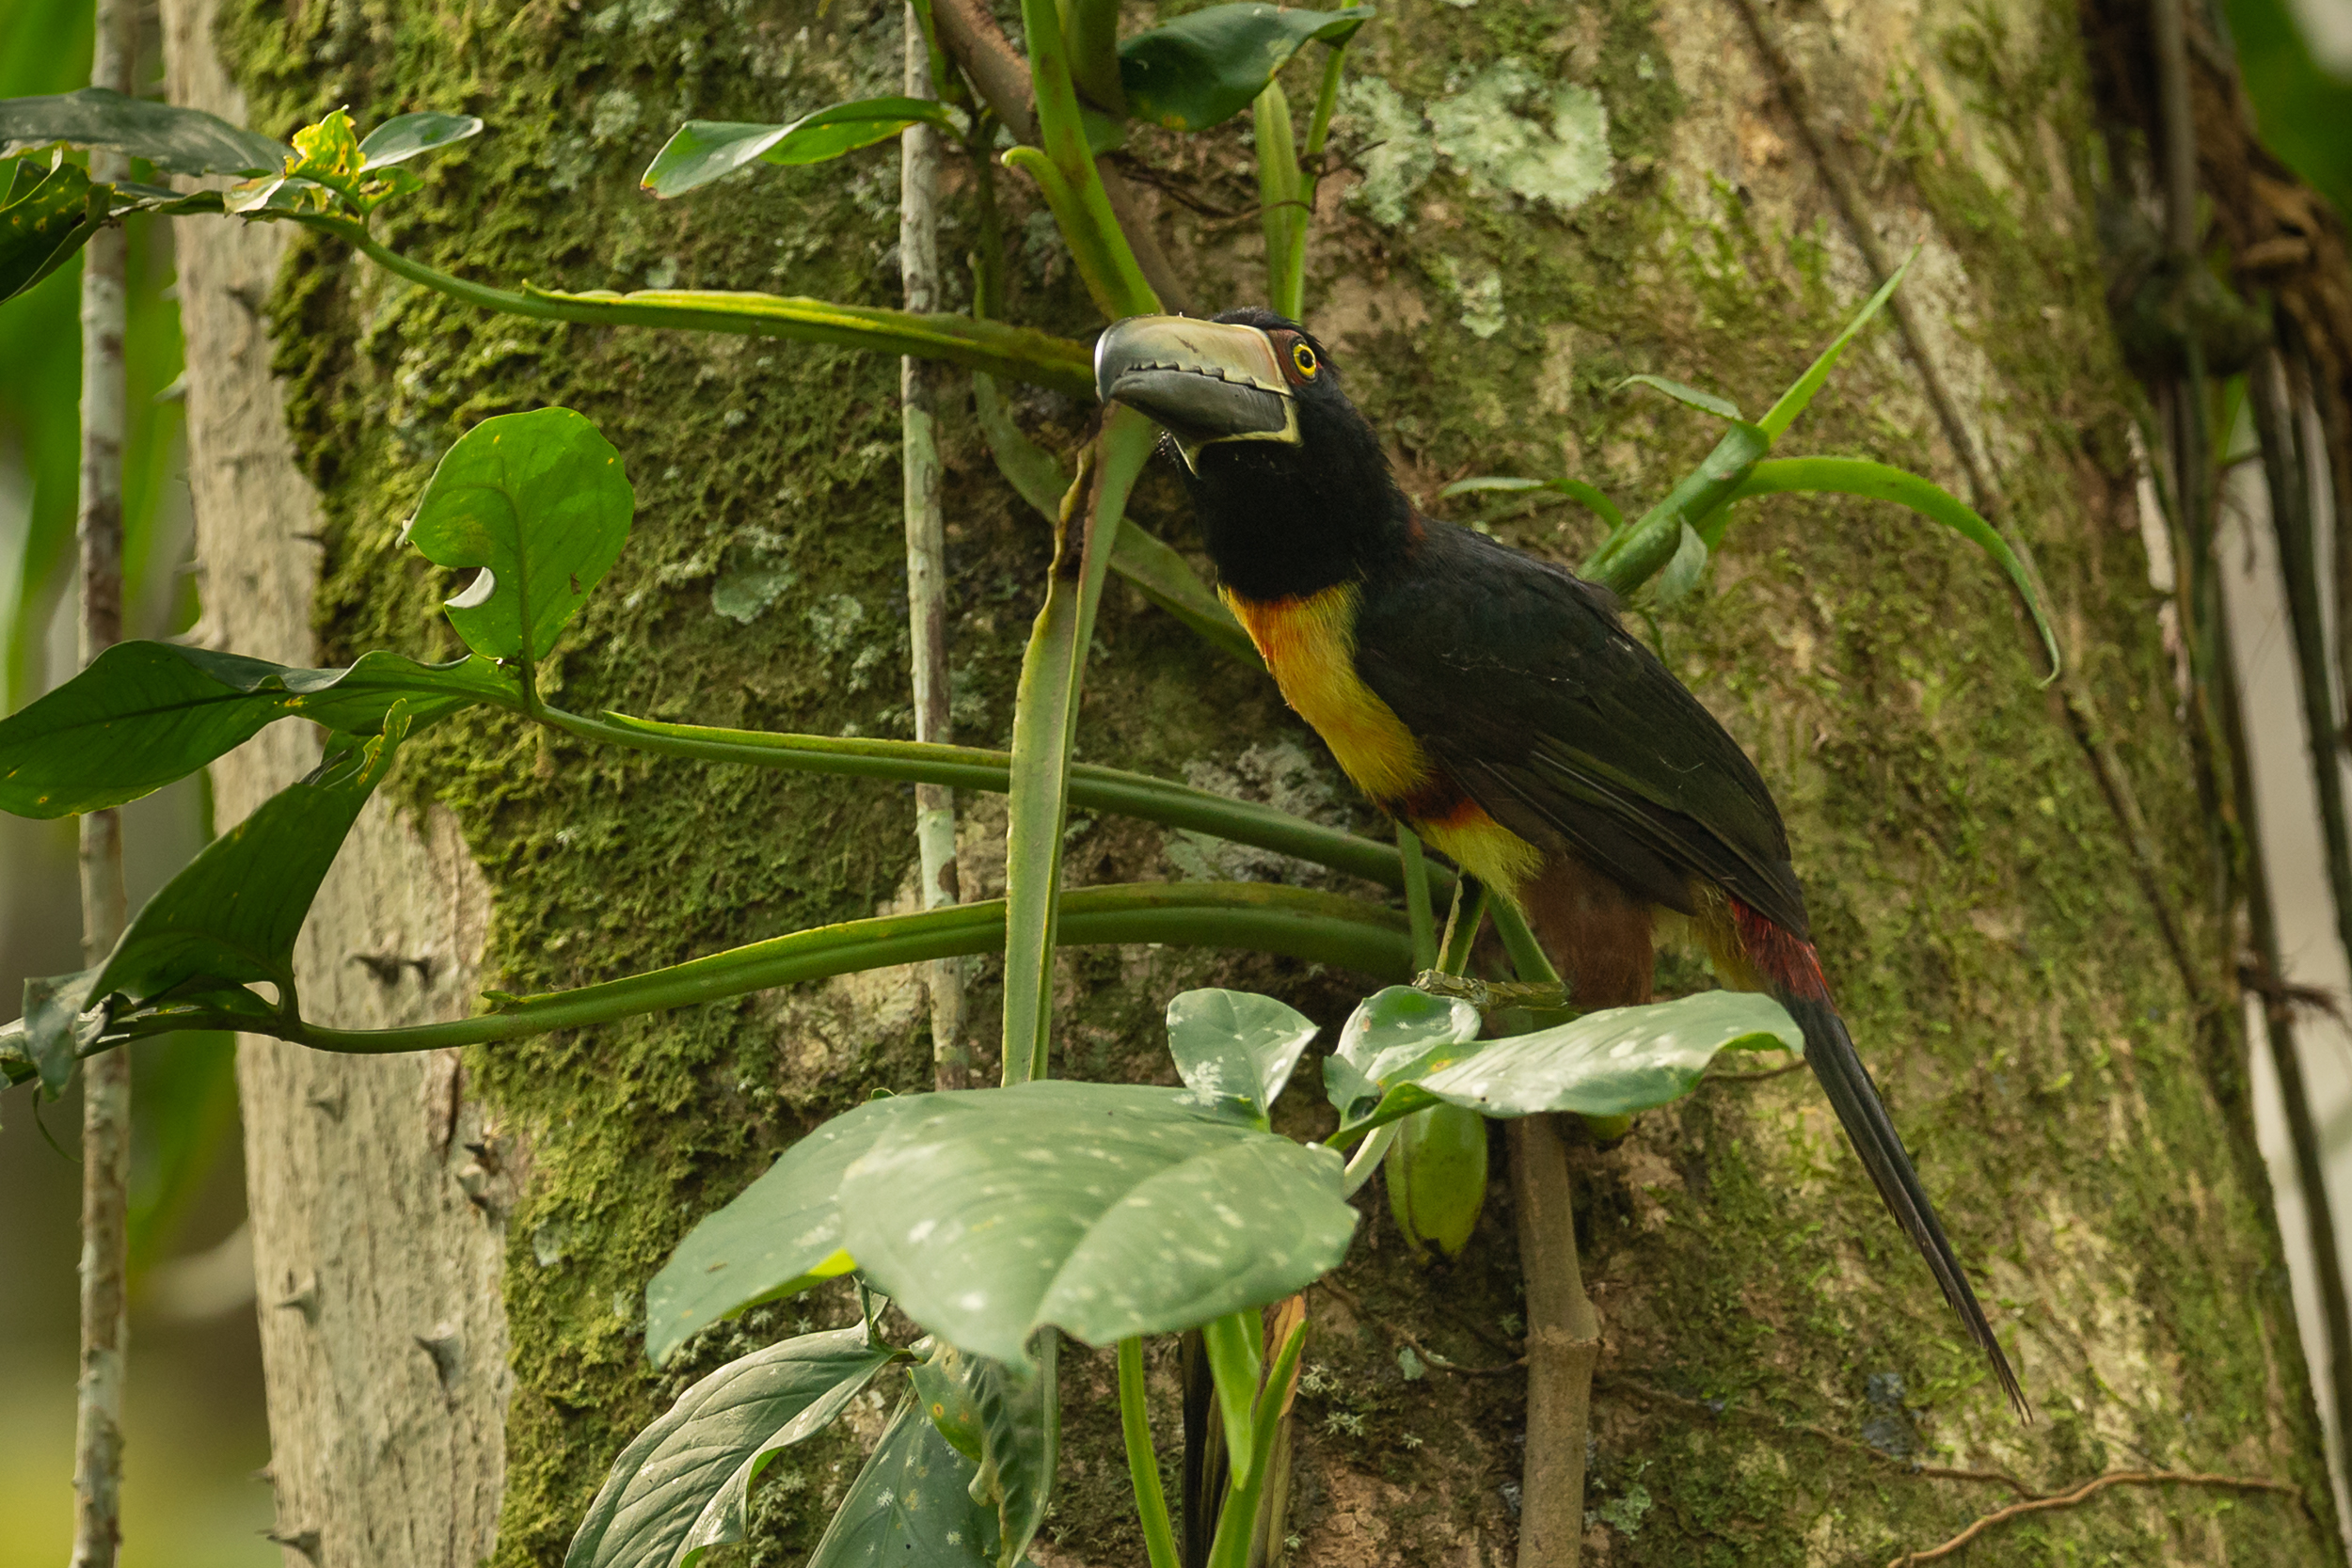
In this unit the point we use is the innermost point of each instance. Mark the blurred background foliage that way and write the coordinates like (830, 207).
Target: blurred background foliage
(197, 1431)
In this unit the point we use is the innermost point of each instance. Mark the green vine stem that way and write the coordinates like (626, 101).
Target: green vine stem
(1236, 1522)
(1092, 787)
(1279, 202)
(1066, 174)
(1320, 927)
(1016, 353)
(1143, 1461)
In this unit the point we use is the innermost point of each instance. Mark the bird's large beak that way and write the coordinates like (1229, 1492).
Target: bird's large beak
(1205, 382)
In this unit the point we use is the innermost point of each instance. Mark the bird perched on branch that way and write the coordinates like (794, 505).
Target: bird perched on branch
(1493, 702)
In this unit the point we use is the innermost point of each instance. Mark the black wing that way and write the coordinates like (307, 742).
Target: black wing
(1519, 681)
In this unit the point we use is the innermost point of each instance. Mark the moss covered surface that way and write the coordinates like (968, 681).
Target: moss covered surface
(1971, 898)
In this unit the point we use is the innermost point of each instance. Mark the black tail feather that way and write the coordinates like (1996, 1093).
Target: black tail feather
(1838, 1067)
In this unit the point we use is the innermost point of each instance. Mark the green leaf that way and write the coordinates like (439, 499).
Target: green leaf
(1683, 572)
(679, 1488)
(1147, 562)
(1435, 1173)
(1044, 734)
(1395, 1034)
(402, 136)
(1204, 68)
(1854, 476)
(1007, 1419)
(1106, 1210)
(144, 714)
(910, 1507)
(780, 1235)
(1236, 1048)
(1792, 402)
(58, 1023)
(46, 216)
(539, 503)
(1706, 402)
(175, 140)
(1610, 1063)
(1575, 489)
(231, 916)
(702, 150)
(1632, 555)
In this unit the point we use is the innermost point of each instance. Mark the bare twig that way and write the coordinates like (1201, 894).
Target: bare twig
(106, 1079)
(2087, 1490)
(927, 558)
(1837, 1440)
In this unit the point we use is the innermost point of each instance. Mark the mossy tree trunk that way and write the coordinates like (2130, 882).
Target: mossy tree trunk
(1546, 197)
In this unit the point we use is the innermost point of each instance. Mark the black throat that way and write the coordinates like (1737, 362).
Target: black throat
(1282, 521)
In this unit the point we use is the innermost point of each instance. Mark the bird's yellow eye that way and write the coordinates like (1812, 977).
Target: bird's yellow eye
(1304, 358)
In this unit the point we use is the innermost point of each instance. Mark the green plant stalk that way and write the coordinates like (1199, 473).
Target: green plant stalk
(1461, 926)
(1278, 197)
(1074, 191)
(1237, 1520)
(1417, 910)
(1092, 787)
(1853, 476)
(1320, 927)
(1326, 101)
(1015, 353)
(1143, 1462)
(1090, 31)
(1231, 1344)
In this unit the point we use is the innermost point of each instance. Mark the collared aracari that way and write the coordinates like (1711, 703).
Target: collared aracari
(1494, 703)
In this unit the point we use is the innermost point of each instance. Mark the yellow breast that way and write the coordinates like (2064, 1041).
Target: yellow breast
(1309, 644)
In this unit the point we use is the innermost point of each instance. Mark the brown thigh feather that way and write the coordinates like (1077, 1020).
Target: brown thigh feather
(1597, 933)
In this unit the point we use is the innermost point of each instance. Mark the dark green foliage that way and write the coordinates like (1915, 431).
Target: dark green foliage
(175, 140)
(911, 1504)
(1204, 68)
(702, 150)
(146, 713)
(681, 1487)
(1235, 1049)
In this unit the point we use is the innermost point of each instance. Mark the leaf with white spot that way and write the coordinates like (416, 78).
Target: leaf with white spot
(910, 1507)
(1610, 1062)
(1106, 1210)
(680, 1487)
(1395, 1034)
(780, 1236)
(1236, 1048)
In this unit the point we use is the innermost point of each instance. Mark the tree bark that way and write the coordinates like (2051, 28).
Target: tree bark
(1993, 871)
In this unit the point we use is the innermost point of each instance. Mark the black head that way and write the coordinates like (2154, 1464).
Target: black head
(1292, 488)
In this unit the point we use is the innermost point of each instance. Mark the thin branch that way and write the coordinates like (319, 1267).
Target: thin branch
(2090, 1489)
(926, 557)
(1837, 1440)
(105, 1083)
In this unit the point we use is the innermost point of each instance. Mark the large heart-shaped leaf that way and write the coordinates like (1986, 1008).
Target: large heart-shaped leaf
(175, 140)
(539, 503)
(779, 1237)
(402, 136)
(1106, 1209)
(144, 714)
(680, 1487)
(1235, 1048)
(702, 150)
(231, 916)
(912, 1505)
(1610, 1062)
(1395, 1034)
(1205, 66)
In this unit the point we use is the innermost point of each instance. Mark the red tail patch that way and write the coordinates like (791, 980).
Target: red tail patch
(1781, 955)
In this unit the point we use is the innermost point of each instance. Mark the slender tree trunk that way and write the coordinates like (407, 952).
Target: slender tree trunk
(105, 1083)
(2007, 887)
